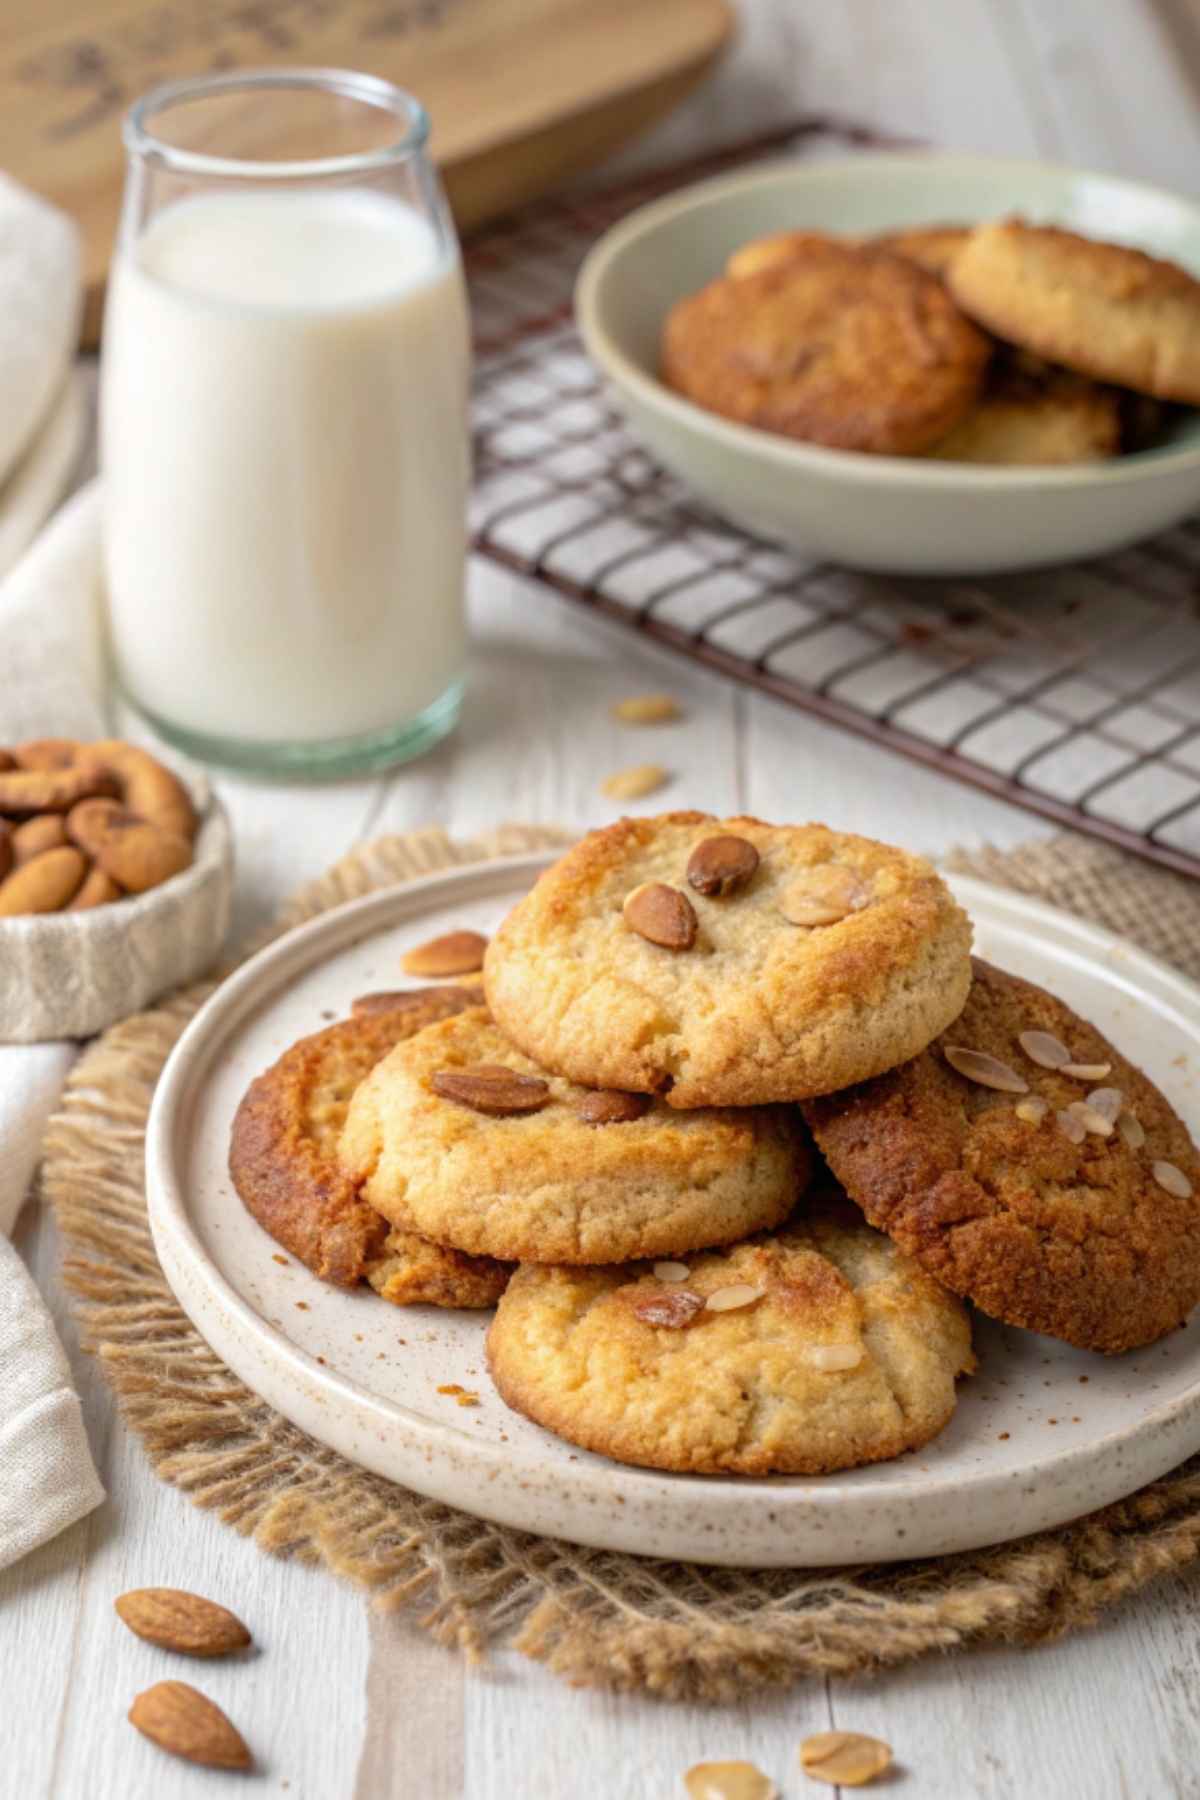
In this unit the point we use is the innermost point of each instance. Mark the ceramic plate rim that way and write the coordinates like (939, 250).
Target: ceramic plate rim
(848, 465)
(181, 1250)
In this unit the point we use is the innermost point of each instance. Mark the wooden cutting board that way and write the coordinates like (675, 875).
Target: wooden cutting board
(522, 93)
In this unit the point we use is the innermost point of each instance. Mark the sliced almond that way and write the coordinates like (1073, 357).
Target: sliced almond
(671, 1271)
(491, 1088)
(822, 895)
(1171, 1180)
(673, 1308)
(182, 1720)
(729, 1781)
(830, 1358)
(647, 709)
(661, 915)
(718, 865)
(1086, 1071)
(984, 1070)
(634, 783)
(1072, 1128)
(733, 1297)
(1132, 1130)
(457, 953)
(611, 1106)
(177, 1620)
(1033, 1109)
(1106, 1100)
(844, 1758)
(1090, 1119)
(1043, 1048)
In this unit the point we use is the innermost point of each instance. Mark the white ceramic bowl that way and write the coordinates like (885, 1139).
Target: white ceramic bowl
(905, 515)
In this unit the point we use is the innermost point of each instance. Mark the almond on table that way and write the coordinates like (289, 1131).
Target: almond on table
(635, 783)
(647, 709)
(174, 1619)
(185, 1722)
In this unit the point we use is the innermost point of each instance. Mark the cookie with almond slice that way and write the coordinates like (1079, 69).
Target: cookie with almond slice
(1030, 1167)
(817, 1347)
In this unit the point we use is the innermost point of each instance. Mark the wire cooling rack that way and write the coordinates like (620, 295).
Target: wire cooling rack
(1075, 693)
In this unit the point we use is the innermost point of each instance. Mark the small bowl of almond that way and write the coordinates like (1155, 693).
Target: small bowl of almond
(116, 876)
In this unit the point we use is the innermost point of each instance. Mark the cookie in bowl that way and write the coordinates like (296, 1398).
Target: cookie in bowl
(728, 962)
(283, 1158)
(1027, 1165)
(819, 1347)
(460, 1136)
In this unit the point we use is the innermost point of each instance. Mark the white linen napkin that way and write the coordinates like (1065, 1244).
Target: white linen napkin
(50, 626)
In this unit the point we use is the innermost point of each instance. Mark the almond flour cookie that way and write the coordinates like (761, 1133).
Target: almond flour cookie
(1028, 1166)
(283, 1160)
(1033, 413)
(729, 962)
(932, 247)
(459, 1136)
(1101, 309)
(780, 247)
(819, 1347)
(838, 345)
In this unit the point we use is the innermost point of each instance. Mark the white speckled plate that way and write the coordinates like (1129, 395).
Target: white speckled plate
(1042, 1433)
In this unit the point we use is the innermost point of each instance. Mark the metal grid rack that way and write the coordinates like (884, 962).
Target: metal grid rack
(1074, 693)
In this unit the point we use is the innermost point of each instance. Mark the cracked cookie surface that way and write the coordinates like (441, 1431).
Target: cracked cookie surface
(759, 1007)
(847, 1355)
(1077, 1239)
(548, 1184)
(283, 1160)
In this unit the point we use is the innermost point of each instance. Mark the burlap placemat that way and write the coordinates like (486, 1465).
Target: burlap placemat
(597, 1618)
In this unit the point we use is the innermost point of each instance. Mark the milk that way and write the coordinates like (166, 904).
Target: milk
(285, 463)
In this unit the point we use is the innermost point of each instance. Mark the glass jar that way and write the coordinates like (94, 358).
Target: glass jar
(284, 441)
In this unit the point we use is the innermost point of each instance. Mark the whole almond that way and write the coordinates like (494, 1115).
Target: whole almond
(47, 753)
(447, 1000)
(491, 1088)
(646, 709)
(176, 1620)
(98, 889)
(45, 831)
(721, 864)
(457, 953)
(44, 884)
(661, 915)
(611, 1106)
(182, 1720)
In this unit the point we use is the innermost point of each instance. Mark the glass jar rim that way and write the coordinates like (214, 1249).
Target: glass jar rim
(348, 84)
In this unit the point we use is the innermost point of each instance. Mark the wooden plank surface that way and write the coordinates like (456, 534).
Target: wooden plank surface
(342, 1707)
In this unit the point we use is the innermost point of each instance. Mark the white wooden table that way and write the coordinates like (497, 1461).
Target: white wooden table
(337, 1703)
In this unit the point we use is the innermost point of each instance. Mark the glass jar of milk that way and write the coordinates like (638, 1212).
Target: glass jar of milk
(284, 425)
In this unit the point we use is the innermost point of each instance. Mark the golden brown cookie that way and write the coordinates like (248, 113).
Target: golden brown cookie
(840, 346)
(932, 247)
(629, 966)
(1065, 1202)
(1101, 309)
(780, 247)
(460, 1136)
(819, 1347)
(283, 1159)
(1033, 413)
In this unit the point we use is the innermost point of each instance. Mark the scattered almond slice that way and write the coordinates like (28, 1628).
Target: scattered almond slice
(457, 953)
(1033, 1109)
(634, 783)
(986, 1071)
(728, 1781)
(1091, 1120)
(1086, 1071)
(1072, 1128)
(1132, 1130)
(830, 1358)
(1043, 1048)
(671, 1271)
(647, 709)
(821, 895)
(1107, 1101)
(844, 1758)
(731, 1298)
(1170, 1179)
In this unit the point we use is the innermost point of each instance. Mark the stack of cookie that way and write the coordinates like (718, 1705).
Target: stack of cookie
(1004, 343)
(623, 1119)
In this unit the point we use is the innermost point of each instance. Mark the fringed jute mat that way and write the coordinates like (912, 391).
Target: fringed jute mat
(596, 1618)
